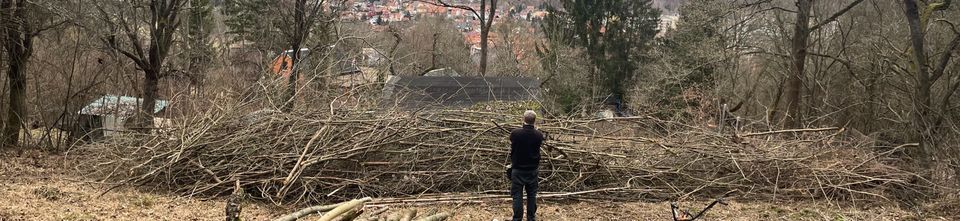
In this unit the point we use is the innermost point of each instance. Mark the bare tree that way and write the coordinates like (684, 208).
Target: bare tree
(798, 52)
(295, 27)
(485, 15)
(431, 43)
(928, 119)
(18, 43)
(130, 19)
(18, 28)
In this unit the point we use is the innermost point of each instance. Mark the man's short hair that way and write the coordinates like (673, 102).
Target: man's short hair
(529, 117)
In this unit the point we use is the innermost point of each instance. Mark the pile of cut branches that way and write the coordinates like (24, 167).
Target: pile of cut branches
(334, 155)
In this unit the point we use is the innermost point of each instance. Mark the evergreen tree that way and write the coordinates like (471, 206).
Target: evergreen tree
(691, 56)
(199, 52)
(251, 21)
(615, 33)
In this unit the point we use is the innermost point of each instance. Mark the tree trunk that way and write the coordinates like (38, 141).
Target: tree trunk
(483, 51)
(18, 42)
(485, 32)
(801, 34)
(774, 114)
(433, 53)
(149, 95)
(16, 109)
(291, 95)
(872, 105)
(302, 26)
(921, 101)
(164, 21)
(486, 22)
(393, 50)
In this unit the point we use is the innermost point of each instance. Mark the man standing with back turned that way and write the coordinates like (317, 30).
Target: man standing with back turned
(525, 159)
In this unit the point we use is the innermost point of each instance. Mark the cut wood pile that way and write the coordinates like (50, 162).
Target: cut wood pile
(355, 210)
(337, 155)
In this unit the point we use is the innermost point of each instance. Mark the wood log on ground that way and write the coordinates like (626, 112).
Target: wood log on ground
(436, 217)
(351, 215)
(307, 211)
(344, 208)
(408, 215)
(379, 211)
(393, 217)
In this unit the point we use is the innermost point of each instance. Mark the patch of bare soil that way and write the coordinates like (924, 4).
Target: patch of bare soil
(38, 186)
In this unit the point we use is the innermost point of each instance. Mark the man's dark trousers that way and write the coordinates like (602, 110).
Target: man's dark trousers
(524, 180)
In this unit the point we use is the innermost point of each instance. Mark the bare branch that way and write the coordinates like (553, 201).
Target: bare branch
(945, 59)
(846, 63)
(464, 7)
(953, 27)
(836, 15)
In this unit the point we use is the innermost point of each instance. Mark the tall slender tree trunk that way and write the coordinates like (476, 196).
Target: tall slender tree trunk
(921, 99)
(801, 33)
(433, 53)
(872, 105)
(393, 49)
(291, 95)
(486, 22)
(303, 23)
(16, 109)
(18, 44)
(485, 32)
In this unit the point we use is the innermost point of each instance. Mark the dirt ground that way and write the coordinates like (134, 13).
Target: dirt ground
(38, 186)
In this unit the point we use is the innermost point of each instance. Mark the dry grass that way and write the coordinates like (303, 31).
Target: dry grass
(37, 186)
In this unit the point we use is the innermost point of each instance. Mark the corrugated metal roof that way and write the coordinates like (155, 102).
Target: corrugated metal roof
(118, 105)
(447, 91)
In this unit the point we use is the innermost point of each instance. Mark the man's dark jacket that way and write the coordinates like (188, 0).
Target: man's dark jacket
(525, 148)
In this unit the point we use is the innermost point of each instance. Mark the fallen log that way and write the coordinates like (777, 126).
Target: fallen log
(436, 217)
(307, 211)
(339, 210)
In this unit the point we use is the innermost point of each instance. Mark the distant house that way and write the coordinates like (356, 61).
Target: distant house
(107, 115)
(457, 92)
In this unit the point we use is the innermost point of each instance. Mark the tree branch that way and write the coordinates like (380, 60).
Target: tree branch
(492, 14)
(441, 3)
(132, 36)
(846, 63)
(781, 9)
(836, 15)
(945, 59)
(953, 27)
(946, 98)
(112, 43)
(37, 31)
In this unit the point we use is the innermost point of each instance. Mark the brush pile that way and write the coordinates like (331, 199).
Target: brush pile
(335, 155)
